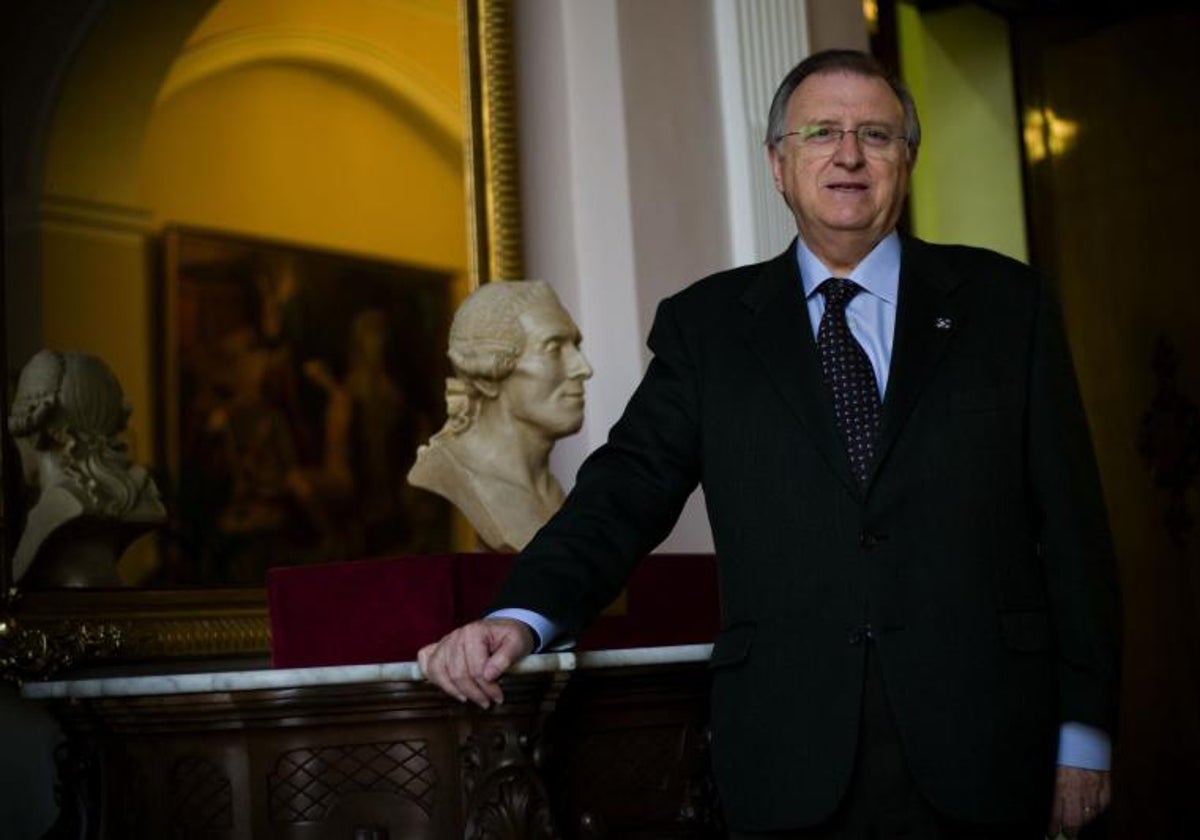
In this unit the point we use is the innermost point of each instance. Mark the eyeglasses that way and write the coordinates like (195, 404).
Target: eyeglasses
(874, 139)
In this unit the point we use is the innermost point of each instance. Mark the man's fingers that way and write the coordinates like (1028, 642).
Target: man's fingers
(1105, 795)
(1079, 797)
(463, 657)
(437, 663)
(1072, 817)
(513, 641)
(475, 650)
(492, 690)
(477, 653)
(497, 664)
(468, 662)
(508, 641)
(423, 658)
(427, 658)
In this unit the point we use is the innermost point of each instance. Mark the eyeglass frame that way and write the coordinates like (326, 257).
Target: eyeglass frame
(840, 133)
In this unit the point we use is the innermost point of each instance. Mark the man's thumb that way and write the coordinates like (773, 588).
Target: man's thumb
(501, 658)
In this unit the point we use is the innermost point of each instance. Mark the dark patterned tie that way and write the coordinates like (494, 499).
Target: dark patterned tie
(849, 375)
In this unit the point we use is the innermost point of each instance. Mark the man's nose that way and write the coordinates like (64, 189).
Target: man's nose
(849, 151)
(577, 364)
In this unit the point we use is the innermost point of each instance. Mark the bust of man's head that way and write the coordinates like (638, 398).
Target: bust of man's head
(518, 387)
(515, 351)
(68, 419)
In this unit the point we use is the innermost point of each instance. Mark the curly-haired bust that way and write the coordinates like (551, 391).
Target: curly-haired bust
(89, 499)
(518, 387)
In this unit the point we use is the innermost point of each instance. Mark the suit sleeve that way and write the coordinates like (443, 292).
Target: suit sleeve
(627, 494)
(1074, 537)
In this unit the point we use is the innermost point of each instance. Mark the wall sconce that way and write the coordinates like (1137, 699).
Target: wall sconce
(871, 15)
(1047, 134)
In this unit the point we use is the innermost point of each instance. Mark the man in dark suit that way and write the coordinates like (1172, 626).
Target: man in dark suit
(919, 603)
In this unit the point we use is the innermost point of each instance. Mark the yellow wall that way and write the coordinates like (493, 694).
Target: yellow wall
(96, 300)
(967, 184)
(94, 141)
(295, 153)
(330, 125)
(418, 33)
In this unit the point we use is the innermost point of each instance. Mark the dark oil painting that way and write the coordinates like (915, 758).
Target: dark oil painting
(295, 387)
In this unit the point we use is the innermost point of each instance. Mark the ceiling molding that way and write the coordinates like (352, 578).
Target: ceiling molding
(401, 82)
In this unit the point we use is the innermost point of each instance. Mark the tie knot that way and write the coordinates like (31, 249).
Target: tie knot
(839, 291)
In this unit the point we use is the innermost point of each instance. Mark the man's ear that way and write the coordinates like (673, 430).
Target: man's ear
(486, 387)
(776, 161)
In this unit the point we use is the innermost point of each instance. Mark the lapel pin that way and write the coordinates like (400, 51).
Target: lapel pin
(943, 323)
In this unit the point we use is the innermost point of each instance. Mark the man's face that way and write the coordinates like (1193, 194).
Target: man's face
(545, 390)
(843, 190)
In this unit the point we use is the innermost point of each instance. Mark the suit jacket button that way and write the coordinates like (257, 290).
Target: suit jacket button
(868, 540)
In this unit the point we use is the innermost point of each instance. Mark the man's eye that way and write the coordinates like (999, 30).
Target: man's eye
(820, 133)
(875, 136)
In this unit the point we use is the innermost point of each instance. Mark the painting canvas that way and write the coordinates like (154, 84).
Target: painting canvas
(296, 386)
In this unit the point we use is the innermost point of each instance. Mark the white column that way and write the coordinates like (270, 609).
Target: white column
(610, 91)
(575, 191)
(758, 41)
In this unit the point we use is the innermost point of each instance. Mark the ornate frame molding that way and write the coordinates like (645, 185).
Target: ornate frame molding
(493, 186)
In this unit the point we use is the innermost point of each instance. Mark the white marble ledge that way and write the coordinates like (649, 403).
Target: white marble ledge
(629, 657)
(261, 679)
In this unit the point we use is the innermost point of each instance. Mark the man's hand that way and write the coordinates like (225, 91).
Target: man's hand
(468, 662)
(1079, 797)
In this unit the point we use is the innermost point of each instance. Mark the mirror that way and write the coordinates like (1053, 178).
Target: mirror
(187, 172)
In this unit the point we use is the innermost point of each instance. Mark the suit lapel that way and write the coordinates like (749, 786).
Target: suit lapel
(926, 322)
(780, 333)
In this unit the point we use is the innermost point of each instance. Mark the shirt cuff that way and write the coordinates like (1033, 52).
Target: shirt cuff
(544, 630)
(1083, 746)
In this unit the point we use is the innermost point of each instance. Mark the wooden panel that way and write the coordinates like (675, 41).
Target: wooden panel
(1112, 218)
(618, 753)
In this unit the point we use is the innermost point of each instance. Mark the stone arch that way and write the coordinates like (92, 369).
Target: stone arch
(404, 86)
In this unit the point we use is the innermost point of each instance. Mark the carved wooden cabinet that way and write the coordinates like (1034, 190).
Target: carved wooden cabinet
(616, 752)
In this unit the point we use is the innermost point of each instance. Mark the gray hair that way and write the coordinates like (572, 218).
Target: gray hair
(840, 61)
(486, 337)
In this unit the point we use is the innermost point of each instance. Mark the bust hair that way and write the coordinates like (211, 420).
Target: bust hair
(486, 336)
(72, 404)
(841, 61)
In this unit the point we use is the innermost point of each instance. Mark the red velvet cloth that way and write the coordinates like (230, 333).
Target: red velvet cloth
(359, 611)
(385, 610)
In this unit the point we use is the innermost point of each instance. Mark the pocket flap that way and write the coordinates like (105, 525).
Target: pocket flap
(1026, 630)
(732, 645)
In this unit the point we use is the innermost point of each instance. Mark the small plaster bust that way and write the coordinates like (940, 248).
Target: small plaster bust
(89, 499)
(518, 388)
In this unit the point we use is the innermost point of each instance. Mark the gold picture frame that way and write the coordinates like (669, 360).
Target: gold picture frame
(45, 631)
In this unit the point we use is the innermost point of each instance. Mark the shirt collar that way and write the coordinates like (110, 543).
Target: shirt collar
(878, 272)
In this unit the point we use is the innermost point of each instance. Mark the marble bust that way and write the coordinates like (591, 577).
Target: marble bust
(517, 388)
(88, 500)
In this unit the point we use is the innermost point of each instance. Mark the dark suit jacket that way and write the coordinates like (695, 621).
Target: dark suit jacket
(978, 554)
